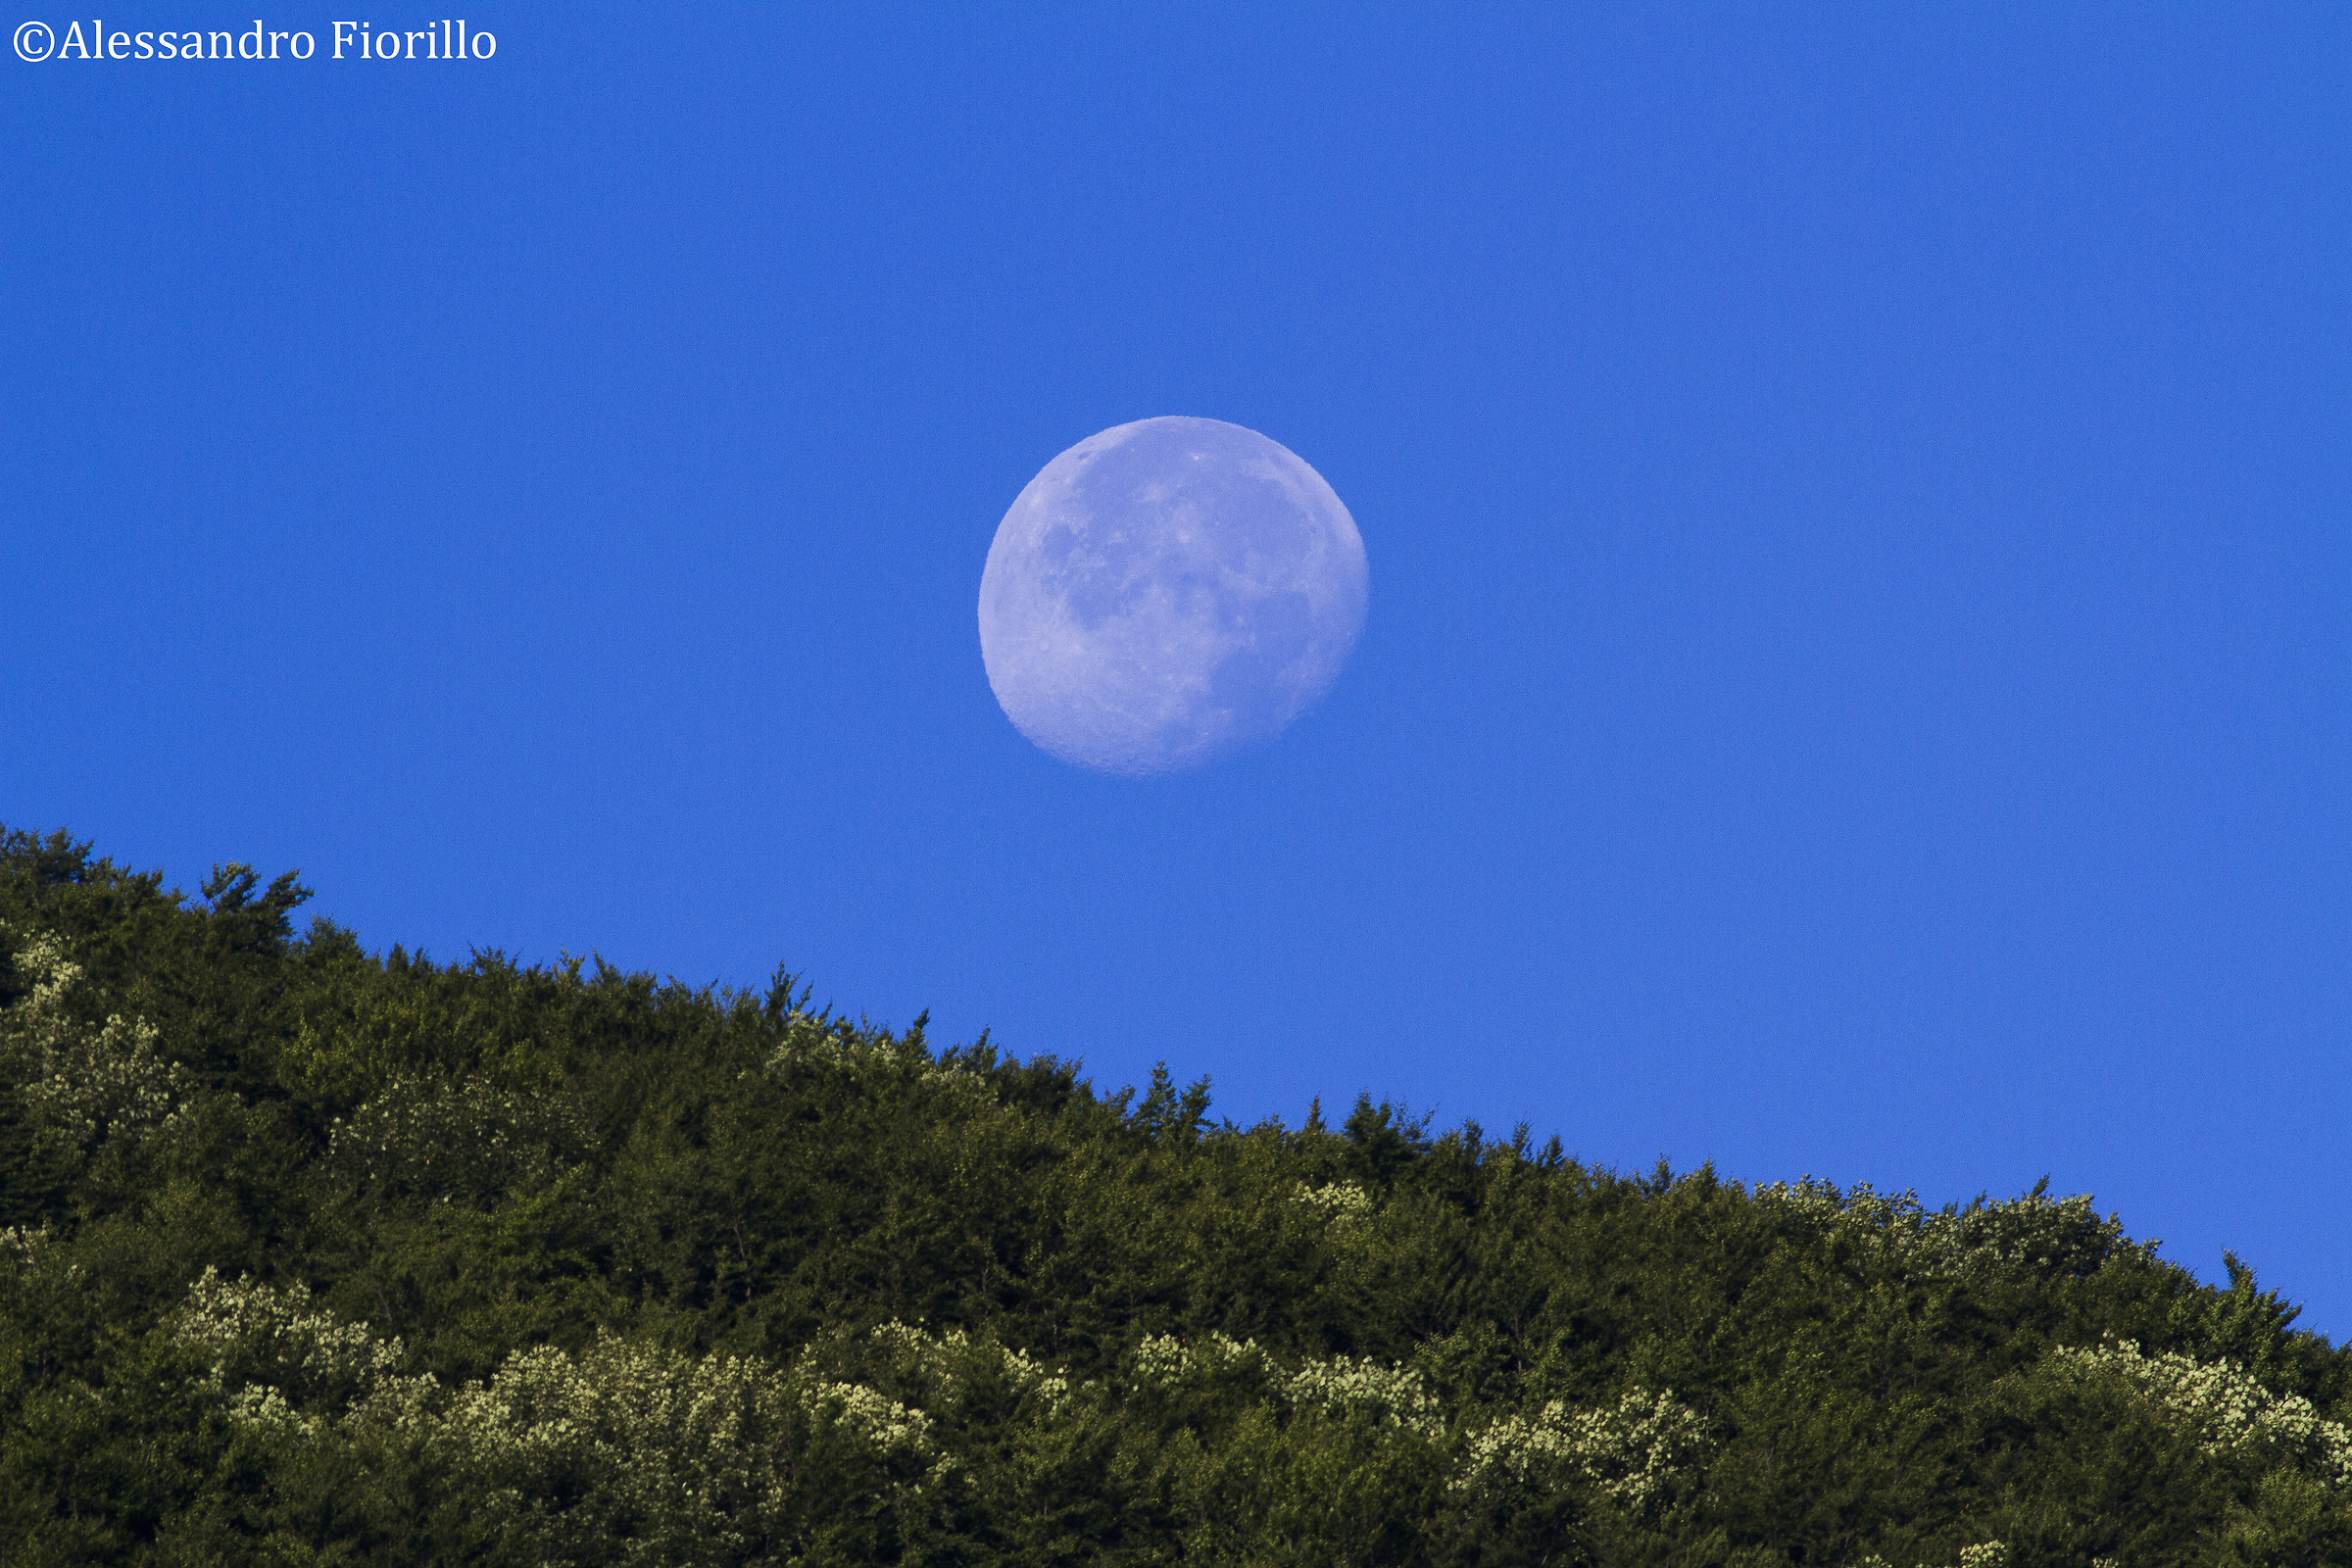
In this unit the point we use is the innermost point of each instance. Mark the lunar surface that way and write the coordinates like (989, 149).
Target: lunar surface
(1167, 592)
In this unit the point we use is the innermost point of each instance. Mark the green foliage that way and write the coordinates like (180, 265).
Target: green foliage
(310, 1257)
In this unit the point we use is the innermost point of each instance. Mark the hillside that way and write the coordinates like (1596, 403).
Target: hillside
(310, 1255)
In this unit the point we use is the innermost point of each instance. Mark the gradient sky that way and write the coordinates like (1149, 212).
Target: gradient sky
(1859, 672)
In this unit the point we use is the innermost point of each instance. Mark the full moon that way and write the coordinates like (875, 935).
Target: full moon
(1167, 592)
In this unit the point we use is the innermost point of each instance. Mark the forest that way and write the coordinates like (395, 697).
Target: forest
(314, 1255)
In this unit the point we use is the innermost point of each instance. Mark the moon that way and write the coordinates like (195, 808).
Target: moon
(1168, 591)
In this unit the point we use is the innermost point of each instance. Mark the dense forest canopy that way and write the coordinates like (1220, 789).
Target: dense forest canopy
(314, 1255)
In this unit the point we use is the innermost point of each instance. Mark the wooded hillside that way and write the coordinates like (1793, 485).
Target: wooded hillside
(310, 1255)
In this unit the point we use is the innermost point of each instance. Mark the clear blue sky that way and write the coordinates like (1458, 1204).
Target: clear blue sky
(1859, 672)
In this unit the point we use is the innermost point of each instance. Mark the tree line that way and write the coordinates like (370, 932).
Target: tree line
(311, 1255)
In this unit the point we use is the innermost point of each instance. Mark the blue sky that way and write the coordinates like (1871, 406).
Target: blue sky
(1856, 679)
